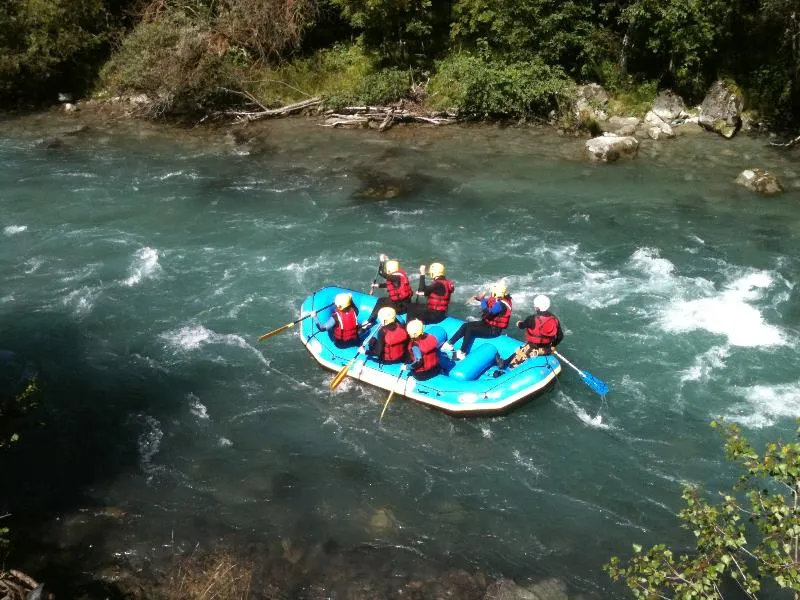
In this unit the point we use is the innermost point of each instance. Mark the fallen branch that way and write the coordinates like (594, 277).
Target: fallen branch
(274, 112)
(787, 145)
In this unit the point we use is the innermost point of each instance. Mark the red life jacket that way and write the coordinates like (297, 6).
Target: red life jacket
(346, 325)
(428, 345)
(544, 330)
(395, 341)
(502, 320)
(399, 292)
(439, 302)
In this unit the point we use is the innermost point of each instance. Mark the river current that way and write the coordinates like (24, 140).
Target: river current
(140, 265)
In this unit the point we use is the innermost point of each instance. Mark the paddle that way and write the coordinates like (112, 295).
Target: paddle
(343, 371)
(290, 325)
(389, 399)
(374, 281)
(593, 382)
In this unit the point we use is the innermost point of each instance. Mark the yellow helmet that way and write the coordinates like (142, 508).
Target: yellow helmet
(415, 328)
(498, 289)
(387, 315)
(392, 266)
(436, 270)
(343, 300)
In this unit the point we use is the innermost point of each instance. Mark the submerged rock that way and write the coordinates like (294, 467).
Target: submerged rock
(609, 148)
(760, 181)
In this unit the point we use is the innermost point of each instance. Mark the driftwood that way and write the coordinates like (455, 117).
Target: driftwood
(16, 585)
(254, 115)
(787, 145)
(382, 116)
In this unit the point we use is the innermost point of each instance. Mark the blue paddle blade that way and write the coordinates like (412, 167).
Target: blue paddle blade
(593, 382)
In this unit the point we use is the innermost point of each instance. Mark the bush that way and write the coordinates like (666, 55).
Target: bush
(178, 63)
(47, 44)
(480, 88)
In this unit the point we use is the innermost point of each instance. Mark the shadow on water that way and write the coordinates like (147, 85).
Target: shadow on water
(79, 435)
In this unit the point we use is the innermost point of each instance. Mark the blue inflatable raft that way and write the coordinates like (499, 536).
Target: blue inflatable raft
(466, 387)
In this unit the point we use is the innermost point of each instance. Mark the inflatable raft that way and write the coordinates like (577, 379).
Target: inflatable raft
(466, 387)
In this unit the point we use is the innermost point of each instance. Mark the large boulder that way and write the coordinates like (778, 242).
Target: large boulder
(609, 148)
(507, 589)
(721, 110)
(621, 125)
(760, 181)
(668, 106)
(659, 129)
(590, 103)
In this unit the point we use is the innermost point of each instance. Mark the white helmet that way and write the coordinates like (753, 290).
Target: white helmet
(343, 300)
(436, 270)
(541, 302)
(392, 266)
(387, 315)
(415, 328)
(498, 289)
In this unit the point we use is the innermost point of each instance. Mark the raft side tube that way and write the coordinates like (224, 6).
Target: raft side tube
(475, 363)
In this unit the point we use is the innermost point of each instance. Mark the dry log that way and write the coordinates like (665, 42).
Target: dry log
(26, 579)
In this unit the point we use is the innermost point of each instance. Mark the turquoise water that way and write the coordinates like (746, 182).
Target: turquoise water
(139, 267)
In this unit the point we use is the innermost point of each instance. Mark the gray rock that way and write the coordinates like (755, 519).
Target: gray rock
(506, 589)
(668, 106)
(721, 110)
(760, 181)
(590, 103)
(619, 125)
(609, 148)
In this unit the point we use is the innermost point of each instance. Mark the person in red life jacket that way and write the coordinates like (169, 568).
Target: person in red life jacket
(390, 344)
(398, 289)
(342, 326)
(423, 349)
(495, 317)
(438, 295)
(542, 334)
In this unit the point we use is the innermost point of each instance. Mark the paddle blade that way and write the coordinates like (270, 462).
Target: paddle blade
(340, 375)
(269, 334)
(593, 382)
(385, 406)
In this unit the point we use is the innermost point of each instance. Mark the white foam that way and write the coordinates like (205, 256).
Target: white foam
(728, 313)
(713, 358)
(195, 336)
(224, 442)
(765, 404)
(197, 408)
(145, 265)
(82, 300)
(14, 229)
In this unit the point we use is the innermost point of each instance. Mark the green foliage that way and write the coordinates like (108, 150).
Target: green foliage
(47, 42)
(751, 535)
(681, 38)
(407, 32)
(12, 408)
(559, 33)
(480, 88)
(177, 62)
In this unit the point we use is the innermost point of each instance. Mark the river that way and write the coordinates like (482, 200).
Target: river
(140, 264)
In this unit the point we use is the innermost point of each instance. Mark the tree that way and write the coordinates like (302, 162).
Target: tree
(751, 536)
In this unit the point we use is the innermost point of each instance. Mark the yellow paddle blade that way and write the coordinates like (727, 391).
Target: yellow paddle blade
(275, 331)
(341, 375)
(385, 406)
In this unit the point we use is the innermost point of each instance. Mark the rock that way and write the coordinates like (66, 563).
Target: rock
(139, 100)
(760, 181)
(619, 125)
(664, 128)
(506, 589)
(721, 110)
(590, 103)
(51, 143)
(609, 148)
(668, 106)
(69, 107)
